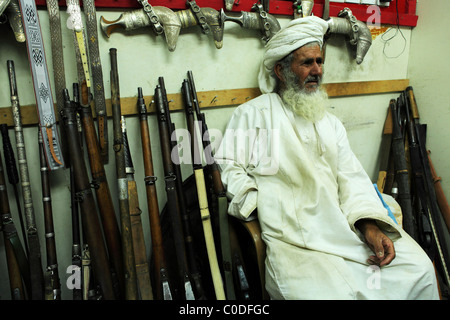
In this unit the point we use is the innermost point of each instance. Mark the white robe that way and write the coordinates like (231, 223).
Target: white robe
(310, 189)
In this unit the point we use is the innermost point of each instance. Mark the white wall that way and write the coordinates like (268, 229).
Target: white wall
(143, 57)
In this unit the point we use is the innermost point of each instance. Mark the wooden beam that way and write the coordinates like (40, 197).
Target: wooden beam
(222, 98)
(367, 87)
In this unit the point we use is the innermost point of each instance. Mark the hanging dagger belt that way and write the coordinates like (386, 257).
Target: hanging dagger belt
(41, 84)
(97, 77)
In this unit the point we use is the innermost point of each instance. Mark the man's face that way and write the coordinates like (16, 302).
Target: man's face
(307, 66)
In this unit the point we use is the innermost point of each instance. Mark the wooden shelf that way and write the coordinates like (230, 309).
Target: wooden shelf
(221, 98)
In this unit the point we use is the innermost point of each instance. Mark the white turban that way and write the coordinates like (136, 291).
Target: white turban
(296, 34)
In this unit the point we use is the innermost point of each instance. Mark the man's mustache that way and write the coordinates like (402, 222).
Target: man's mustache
(310, 78)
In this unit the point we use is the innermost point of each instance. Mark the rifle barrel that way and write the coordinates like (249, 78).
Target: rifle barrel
(34, 258)
(104, 199)
(89, 218)
(401, 171)
(172, 196)
(52, 283)
(131, 290)
(13, 249)
(152, 205)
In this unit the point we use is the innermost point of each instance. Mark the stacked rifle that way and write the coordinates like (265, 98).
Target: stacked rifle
(406, 172)
(192, 255)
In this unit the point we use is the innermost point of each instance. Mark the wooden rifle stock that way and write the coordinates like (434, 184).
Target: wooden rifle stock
(131, 290)
(140, 251)
(203, 197)
(184, 287)
(52, 286)
(34, 257)
(89, 218)
(11, 240)
(162, 289)
(103, 195)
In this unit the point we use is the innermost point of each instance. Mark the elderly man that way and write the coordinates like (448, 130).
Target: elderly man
(327, 234)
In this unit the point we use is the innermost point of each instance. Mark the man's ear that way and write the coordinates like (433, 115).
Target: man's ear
(277, 69)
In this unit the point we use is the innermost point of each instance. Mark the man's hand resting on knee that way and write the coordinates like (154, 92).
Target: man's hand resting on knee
(379, 243)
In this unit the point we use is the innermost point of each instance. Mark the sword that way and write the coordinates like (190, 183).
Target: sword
(58, 63)
(75, 23)
(41, 84)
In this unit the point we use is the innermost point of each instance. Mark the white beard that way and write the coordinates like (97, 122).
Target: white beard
(311, 106)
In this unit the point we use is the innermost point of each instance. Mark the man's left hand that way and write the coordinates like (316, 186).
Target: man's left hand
(379, 243)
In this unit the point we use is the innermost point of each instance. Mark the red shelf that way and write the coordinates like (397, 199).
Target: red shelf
(406, 8)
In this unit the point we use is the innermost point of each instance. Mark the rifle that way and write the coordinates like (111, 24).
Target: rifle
(140, 252)
(13, 177)
(13, 248)
(184, 211)
(103, 195)
(423, 231)
(82, 188)
(131, 291)
(75, 210)
(432, 209)
(385, 153)
(162, 284)
(215, 189)
(51, 277)
(440, 196)
(34, 257)
(401, 172)
(202, 196)
(173, 207)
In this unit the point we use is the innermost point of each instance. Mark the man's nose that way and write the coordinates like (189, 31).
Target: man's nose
(316, 69)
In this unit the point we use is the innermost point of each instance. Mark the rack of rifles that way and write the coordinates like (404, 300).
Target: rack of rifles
(194, 251)
(407, 173)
